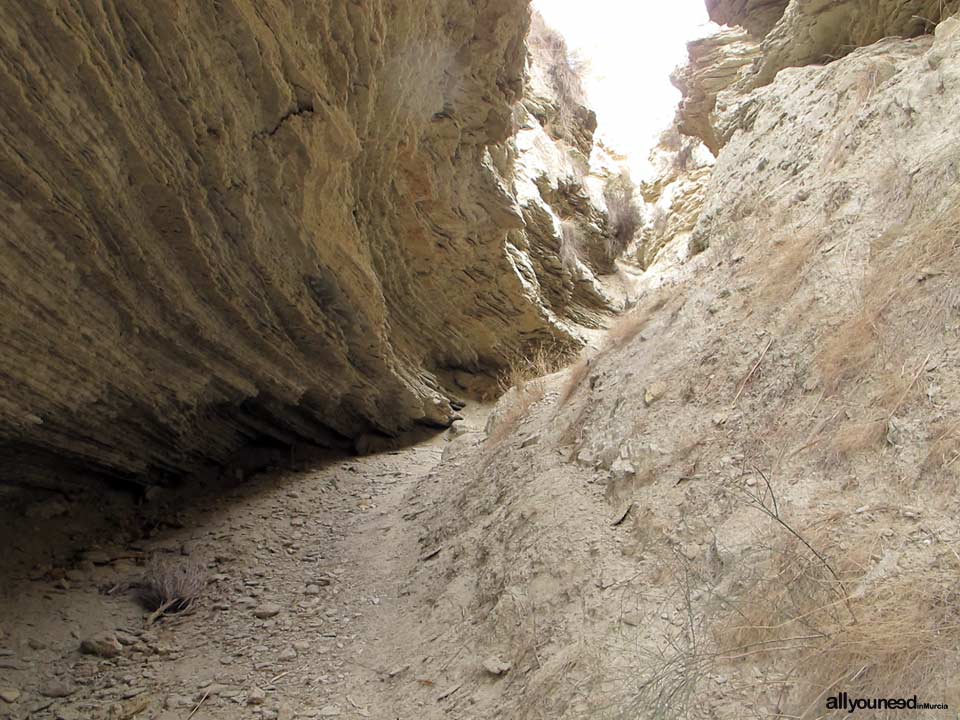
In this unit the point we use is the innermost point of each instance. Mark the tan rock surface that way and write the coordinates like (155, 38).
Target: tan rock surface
(256, 221)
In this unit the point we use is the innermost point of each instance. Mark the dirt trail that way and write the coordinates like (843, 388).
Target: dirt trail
(324, 556)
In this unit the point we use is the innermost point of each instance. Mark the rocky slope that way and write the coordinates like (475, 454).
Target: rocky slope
(264, 222)
(746, 497)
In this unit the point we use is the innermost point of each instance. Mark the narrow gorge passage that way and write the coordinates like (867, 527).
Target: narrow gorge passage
(349, 368)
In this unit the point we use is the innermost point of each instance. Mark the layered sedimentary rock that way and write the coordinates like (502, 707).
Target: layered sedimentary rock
(673, 197)
(259, 220)
(757, 16)
(773, 36)
(714, 64)
(811, 350)
(818, 31)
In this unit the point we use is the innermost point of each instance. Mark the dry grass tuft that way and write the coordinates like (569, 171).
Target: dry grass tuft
(858, 436)
(782, 277)
(523, 387)
(892, 636)
(575, 377)
(172, 585)
(849, 351)
(910, 276)
(631, 324)
(944, 452)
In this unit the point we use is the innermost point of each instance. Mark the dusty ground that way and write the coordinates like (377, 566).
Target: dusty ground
(333, 547)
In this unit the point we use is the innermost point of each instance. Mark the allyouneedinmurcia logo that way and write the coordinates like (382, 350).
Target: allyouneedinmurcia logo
(843, 701)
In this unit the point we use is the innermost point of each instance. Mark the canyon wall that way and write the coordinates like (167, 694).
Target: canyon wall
(263, 221)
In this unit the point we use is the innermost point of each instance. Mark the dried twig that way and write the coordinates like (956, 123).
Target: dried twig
(772, 510)
(756, 366)
(202, 700)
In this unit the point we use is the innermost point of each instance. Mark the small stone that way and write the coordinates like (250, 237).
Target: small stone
(46, 510)
(288, 654)
(312, 590)
(496, 666)
(631, 618)
(267, 610)
(329, 711)
(126, 639)
(654, 392)
(256, 696)
(9, 695)
(530, 440)
(57, 689)
(103, 645)
(623, 469)
(173, 702)
(301, 645)
(97, 557)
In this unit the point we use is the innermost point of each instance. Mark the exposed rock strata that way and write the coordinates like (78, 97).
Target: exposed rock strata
(259, 220)
(673, 197)
(757, 16)
(818, 31)
(714, 64)
(810, 355)
(779, 35)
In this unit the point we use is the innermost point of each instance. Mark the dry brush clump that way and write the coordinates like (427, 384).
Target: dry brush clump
(624, 216)
(172, 585)
(808, 610)
(788, 267)
(565, 73)
(893, 637)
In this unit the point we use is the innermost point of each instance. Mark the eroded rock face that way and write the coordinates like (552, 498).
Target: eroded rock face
(673, 197)
(258, 220)
(772, 36)
(757, 16)
(714, 64)
(818, 31)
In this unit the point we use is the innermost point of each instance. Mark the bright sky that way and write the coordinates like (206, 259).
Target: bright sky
(631, 47)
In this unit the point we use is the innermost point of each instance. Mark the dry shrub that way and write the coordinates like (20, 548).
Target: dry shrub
(564, 72)
(670, 139)
(799, 621)
(623, 213)
(172, 585)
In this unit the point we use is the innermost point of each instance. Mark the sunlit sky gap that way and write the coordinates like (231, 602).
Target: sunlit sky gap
(631, 48)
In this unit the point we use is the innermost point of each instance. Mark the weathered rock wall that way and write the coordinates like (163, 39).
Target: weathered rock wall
(781, 34)
(251, 220)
